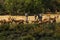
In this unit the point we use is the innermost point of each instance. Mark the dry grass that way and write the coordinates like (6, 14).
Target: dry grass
(30, 18)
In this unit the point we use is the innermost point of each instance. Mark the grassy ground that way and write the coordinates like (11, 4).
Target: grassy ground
(30, 31)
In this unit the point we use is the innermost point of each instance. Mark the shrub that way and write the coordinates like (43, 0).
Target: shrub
(29, 31)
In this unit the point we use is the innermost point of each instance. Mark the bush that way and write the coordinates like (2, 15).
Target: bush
(29, 31)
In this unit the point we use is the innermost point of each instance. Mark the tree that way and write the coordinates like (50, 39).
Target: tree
(53, 5)
(2, 9)
(20, 7)
(10, 6)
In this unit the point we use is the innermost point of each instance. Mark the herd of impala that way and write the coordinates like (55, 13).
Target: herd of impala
(21, 21)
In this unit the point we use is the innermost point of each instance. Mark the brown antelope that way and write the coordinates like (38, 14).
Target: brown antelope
(45, 21)
(8, 20)
(1, 21)
(17, 21)
(35, 21)
(52, 20)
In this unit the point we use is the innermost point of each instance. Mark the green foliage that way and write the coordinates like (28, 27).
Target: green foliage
(20, 7)
(2, 9)
(29, 32)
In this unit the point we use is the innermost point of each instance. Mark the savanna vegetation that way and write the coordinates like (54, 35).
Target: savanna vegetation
(46, 31)
(13, 31)
(20, 7)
